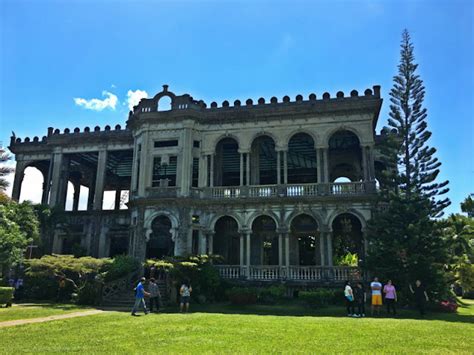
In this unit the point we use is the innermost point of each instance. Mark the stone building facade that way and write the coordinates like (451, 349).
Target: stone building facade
(281, 189)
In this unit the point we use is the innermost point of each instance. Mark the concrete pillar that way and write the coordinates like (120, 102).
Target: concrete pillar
(247, 169)
(18, 179)
(186, 161)
(202, 243)
(242, 247)
(320, 165)
(278, 167)
(211, 177)
(285, 167)
(329, 248)
(90, 196)
(280, 249)
(46, 183)
(322, 247)
(247, 237)
(75, 198)
(100, 180)
(325, 157)
(202, 171)
(103, 252)
(241, 169)
(56, 179)
(118, 196)
(210, 242)
(287, 249)
(57, 243)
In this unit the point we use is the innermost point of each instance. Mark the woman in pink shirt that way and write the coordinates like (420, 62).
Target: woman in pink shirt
(390, 296)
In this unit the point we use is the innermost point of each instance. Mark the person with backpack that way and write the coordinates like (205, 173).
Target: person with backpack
(140, 294)
(349, 296)
(185, 292)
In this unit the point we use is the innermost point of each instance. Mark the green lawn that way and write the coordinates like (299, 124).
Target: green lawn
(27, 311)
(253, 329)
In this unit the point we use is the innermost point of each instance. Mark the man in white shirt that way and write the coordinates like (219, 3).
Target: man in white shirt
(376, 288)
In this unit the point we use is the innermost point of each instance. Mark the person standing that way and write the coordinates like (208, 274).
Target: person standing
(140, 294)
(376, 289)
(420, 296)
(155, 296)
(349, 296)
(390, 297)
(360, 298)
(185, 292)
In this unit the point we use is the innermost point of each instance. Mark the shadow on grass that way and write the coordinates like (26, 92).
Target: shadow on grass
(296, 309)
(51, 305)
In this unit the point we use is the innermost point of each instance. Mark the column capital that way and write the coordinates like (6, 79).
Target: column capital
(321, 146)
(281, 149)
(243, 151)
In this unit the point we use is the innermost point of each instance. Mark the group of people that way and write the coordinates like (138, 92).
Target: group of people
(154, 296)
(357, 297)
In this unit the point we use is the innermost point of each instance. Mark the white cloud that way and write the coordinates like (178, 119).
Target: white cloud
(110, 101)
(133, 97)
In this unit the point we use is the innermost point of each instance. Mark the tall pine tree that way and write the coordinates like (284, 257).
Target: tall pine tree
(405, 242)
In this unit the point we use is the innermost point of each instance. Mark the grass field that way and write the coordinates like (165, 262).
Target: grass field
(37, 310)
(252, 329)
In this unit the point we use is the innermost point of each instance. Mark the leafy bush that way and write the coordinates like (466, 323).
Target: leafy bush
(6, 295)
(272, 294)
(447, 306)
(466, 276)
(121, 266)
(40, 287)
(52, 265)
(321, 297)
(242, 295)
(469, 295)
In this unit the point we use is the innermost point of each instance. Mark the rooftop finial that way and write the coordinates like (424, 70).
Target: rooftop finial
(165, 88)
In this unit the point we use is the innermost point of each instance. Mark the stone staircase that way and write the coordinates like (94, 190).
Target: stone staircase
(119, 295)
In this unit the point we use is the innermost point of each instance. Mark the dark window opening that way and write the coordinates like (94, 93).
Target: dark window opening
(195, 246)
(196, 144)
(195, 177)
(164, 174)
(164, 144)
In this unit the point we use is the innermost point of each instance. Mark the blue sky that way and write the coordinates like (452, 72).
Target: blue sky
(55, 51)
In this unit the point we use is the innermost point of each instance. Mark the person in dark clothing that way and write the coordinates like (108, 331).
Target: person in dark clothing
(360, 298)
(420, 296)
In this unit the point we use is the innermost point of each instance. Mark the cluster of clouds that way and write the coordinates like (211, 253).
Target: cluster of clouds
(110, 100)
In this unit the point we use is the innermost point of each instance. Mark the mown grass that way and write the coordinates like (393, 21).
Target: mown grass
(253, 329)
(37, 310)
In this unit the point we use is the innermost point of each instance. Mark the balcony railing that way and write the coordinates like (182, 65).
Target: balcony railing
(291, 273)
(292, 190)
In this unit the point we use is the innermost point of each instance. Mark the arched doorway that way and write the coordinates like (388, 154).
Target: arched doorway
(347, 240)
(302, 164)
(264, 242)
(305, 248)
(226, 240)
(263, 161)
(160, 243)
(345, 156)
(227, 163)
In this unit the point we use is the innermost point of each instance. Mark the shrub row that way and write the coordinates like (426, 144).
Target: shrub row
(320, 297)
(6, 296)
(251, 295)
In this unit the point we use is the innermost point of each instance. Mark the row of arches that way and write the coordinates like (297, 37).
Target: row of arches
(305, 247)
(300, 164)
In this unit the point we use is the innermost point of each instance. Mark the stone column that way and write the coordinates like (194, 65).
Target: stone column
(57, 243)
(320, 165)
(241, 169)
(102, 252)
(63, 182)
(100, 179)
(211, 181)
(47, 183)
(90, 196)
(202, 243)
(75, 199)
(18, 179)
(322, 247)
(329, 248)
(287, 249)
(202, 180)
(118, 196)
(280, 249)
(285, 167)
(278, 167)
(210, 242)
(247, 168)
(242, 249)
(186, 164)
(247, 237)
(56, 179)
(325, 156)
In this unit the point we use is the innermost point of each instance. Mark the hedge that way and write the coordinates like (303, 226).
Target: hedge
(6, 295)
(321, 297)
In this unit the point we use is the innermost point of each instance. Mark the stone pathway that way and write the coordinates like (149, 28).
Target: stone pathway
(12, 323)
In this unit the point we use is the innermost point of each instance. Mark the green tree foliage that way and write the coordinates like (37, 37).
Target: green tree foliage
(467, 206)
(405, 241)
(19, 227)
(4, 170)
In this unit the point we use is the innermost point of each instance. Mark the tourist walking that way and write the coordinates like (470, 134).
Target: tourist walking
(349, 296)
(360, 297)
(140, 294)
(155, 296)
(420, 296)
(376, 289)
(390, 297)
(185, 292)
